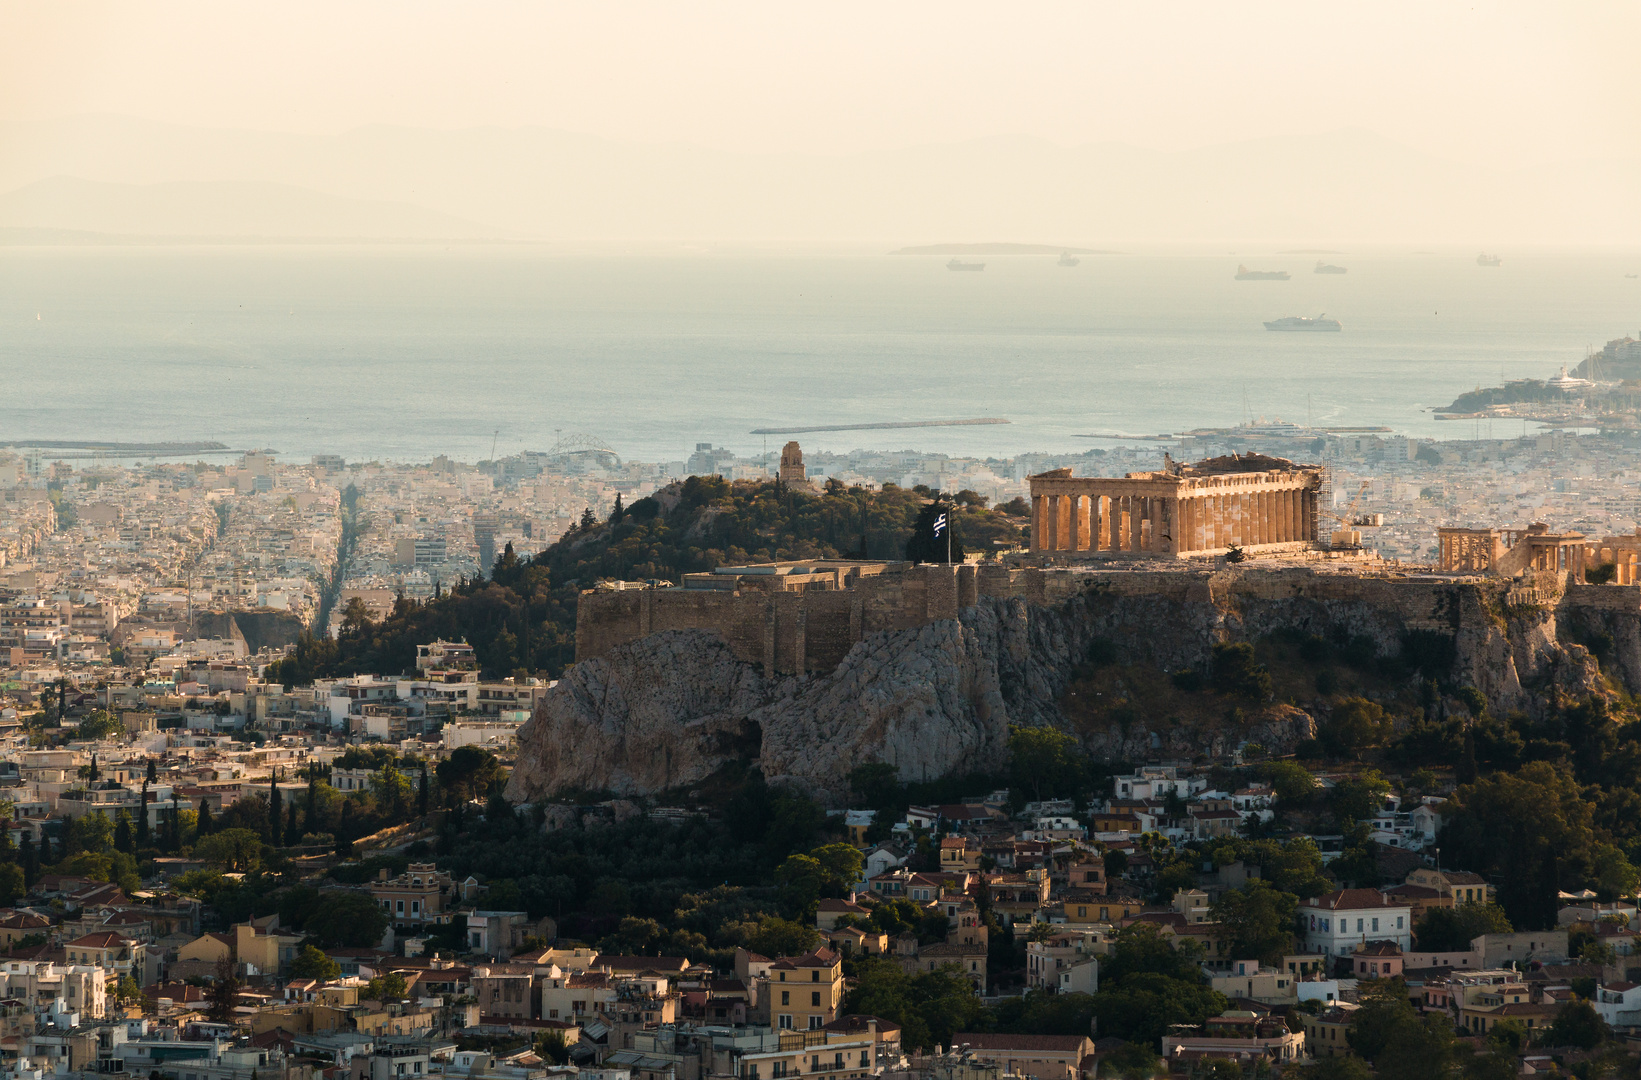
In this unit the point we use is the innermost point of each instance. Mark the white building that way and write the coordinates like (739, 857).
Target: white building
(1338, 922)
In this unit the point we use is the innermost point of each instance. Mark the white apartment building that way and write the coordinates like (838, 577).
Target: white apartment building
(1336, 923)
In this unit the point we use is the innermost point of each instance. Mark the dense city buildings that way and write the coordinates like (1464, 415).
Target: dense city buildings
(162, 746)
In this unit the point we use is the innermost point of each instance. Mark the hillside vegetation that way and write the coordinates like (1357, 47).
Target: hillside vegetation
(521, 621)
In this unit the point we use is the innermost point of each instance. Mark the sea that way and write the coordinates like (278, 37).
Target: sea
(403, 352)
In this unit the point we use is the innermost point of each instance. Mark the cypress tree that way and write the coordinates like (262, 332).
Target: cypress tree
(142, 816)
(1465, 769)
(122, 833)
(293, 835)
(344, 831)
(30, 860)
(204, 825)
(421, 793)
(152, 774)
(173, 838)
(96, 774)
(313, 806)
(276, 809)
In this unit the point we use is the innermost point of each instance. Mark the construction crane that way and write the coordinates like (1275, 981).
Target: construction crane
(1348, 535)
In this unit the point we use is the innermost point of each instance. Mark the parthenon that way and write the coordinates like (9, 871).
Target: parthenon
(1248, 501)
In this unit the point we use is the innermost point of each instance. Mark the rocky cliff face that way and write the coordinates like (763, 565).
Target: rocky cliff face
(667, 710)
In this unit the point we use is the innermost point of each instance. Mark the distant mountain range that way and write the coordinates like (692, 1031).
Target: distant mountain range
(1303, 190)
(999, 249)
(69, 210)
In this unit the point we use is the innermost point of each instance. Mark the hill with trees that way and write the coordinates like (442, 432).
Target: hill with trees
(521, 620)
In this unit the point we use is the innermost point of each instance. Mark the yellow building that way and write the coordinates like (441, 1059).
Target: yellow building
(257, 947)
(805, 991)
(1463, 887)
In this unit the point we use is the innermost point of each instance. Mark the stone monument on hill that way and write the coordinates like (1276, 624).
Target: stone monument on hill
(793, 473)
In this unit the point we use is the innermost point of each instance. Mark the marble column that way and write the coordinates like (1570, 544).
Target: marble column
(1078, 540)
(1037, 523)
(1094, 520)
(1051, 522)
(1136, 519)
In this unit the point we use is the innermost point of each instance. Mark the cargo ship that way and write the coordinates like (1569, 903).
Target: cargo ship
(959, 264)
(1485, 259)
(1244, 274)
(1300, 322)
(1328, 268)
(1068, 259)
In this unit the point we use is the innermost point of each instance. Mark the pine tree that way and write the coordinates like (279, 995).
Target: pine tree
(293, 835)
(142, 816)
(587, 519)
(204, 825)
(122, 833)
(276, 809)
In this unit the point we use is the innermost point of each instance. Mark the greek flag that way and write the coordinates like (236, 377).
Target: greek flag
(939, 524)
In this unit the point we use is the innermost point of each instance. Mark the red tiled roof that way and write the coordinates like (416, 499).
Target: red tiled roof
(644, 963)
(1351, 900)
(1059, 1044)
(106, 939)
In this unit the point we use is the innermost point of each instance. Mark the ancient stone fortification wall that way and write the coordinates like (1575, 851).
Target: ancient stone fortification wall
(785, 632)
(811, 632)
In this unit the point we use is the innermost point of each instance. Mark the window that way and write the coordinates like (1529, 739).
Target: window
(814, 1023)
(415, 907)
(1375, 926)
(784, 1024)
(786, 997)
(401, 907)
(1358, 926)
(814, 999)
(814, 976)
(1399, 921)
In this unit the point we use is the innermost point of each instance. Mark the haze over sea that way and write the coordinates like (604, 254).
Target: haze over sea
(404, 352)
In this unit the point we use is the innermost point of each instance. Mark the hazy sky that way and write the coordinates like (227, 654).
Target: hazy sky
(1517, 82)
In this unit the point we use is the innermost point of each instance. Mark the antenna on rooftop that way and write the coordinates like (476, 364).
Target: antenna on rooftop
(493, 437)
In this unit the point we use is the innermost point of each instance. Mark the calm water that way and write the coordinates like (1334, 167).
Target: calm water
(406, 353)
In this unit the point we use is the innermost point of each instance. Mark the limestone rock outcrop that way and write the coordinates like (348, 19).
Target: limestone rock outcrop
(655, 714)
(666, 710)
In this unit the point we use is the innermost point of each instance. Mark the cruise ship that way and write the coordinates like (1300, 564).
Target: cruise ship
(959, 264)
(1244, 274)
(1328, 268)
(1300, 322)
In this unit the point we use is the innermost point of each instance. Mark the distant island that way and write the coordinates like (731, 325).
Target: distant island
(1311, 251)
(999, 249)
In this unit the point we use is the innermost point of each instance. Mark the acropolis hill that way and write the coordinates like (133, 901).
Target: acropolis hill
(812, 668)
